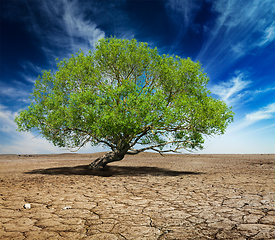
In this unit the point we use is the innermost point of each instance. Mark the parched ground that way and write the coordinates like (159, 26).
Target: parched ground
(142, 197)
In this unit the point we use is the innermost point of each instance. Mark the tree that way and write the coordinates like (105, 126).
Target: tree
(122, 95)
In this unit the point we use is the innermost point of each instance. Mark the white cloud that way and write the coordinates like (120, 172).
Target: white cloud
(267, 112)
(6, 120)
(63, 27)
(30, 78)
(20, 92)
(238, 90)
(241, 26)
(266, 129)
(264, 90)
(78, 28)
(264, 113)
(231, 91)
(29, 66)
(31, 71)
(269, 35)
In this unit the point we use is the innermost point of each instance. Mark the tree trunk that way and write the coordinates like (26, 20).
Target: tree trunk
(109, 157)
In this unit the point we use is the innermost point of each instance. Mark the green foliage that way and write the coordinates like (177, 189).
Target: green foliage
(122, 94)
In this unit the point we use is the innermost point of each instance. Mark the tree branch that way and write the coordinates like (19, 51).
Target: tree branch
(146, 129)
(87, 140)
(91, 136)
(132, 70)
(136, 151)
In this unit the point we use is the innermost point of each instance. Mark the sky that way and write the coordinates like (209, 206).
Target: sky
(233, 39)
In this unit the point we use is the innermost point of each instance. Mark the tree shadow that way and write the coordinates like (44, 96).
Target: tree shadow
(110, 171)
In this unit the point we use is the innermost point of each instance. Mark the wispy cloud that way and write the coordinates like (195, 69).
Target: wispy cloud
(82, 33)
(232, 91)
(7, 124)
(267, 112)
(266, 129)
(239, 89)
(15, 142)
(30, 71)
(269, 36)
(264, 113)
(29, 66)
(62, 26)
(14, 91)
(238, 30)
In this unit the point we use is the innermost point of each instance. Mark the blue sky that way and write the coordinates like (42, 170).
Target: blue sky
(233, 39)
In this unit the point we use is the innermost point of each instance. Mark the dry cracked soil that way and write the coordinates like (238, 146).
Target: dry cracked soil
(146, 196)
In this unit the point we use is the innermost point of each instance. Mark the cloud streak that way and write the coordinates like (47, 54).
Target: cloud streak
(268, 36)
(238, 30)
(18, 92)
(62, 28)
(78, 28)
(267, 112)
(62, 25)
(7, 125)
(238, 90)
(232, 91)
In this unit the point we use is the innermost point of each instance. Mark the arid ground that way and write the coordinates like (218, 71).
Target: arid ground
(146, 196)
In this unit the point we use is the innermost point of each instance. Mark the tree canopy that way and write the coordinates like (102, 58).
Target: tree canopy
(126, 96)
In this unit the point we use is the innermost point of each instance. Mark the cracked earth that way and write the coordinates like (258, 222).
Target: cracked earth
(142, 197)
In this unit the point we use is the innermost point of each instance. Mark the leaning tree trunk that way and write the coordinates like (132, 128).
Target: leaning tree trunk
(109, 157)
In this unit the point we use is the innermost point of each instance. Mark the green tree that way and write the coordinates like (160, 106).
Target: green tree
(122, 95)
